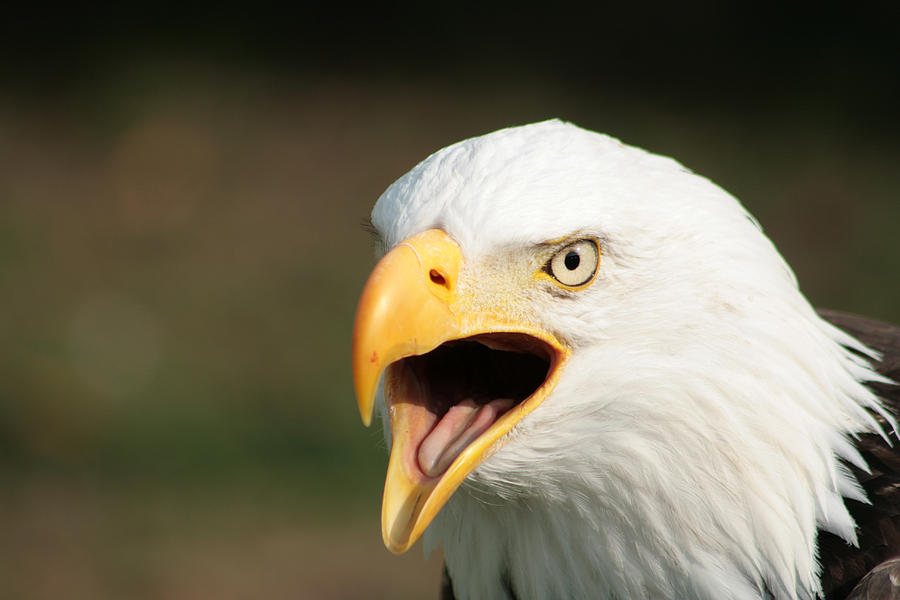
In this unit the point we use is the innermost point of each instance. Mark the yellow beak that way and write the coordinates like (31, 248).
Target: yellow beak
(410, 305)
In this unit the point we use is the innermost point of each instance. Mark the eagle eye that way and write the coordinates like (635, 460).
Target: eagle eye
(575, 265)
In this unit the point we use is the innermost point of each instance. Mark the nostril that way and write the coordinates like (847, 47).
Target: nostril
(437, 278)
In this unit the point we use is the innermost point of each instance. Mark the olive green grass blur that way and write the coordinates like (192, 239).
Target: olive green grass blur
(181, 251)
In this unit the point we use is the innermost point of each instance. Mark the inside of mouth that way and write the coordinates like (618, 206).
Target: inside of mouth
(467, 385)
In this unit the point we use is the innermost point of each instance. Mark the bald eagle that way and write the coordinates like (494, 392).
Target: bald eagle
(598, 379)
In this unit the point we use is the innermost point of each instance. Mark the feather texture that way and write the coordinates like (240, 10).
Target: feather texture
(699, 437)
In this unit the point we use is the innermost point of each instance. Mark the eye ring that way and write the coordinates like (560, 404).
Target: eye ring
(575, 265)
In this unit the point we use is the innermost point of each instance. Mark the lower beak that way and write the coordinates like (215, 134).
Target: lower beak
(410, 305)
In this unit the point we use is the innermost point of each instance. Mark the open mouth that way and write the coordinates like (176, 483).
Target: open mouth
(461, 389)
(460, 372)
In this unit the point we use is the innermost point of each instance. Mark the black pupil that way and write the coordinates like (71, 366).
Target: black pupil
(572, 260)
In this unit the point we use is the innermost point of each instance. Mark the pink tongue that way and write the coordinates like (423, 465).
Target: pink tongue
(462, 424)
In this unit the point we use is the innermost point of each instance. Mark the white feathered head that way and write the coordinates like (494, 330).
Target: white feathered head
(615, 363)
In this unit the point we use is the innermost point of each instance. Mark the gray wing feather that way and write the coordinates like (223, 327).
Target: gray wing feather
(881, 583)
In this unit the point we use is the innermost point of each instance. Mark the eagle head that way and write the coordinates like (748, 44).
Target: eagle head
(599, 379)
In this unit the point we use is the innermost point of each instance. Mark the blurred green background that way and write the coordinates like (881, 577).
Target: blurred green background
(181, 193)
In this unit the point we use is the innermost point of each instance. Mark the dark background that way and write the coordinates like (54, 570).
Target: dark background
(181, 190)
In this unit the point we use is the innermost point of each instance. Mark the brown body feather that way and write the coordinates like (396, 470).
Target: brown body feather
(878, 524)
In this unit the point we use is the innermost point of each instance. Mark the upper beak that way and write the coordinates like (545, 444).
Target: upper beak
(410, 305)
